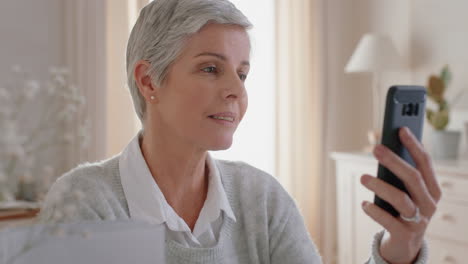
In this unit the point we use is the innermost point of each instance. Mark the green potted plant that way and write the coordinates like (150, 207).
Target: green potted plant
(445, 143)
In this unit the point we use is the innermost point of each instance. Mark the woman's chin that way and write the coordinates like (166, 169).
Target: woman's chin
(220, 144)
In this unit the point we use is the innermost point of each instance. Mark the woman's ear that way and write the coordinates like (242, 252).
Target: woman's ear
(144, 81)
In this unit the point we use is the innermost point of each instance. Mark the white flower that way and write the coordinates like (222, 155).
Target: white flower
(71, 108)
(81, 101)
(14, 133)
(60, 80)
(78, 99)
(68, 113)
(32, 88)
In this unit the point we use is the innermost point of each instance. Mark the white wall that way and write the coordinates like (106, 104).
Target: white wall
(439, 36)
(254, 138)
(392, 18)
(31, 35)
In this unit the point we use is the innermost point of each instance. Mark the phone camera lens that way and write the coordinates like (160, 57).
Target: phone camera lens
(409, 109)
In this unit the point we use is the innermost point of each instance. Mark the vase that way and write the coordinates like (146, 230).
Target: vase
(445, 145)
(27, 191)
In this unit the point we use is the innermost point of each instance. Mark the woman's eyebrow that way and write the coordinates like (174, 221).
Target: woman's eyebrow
(219, 56)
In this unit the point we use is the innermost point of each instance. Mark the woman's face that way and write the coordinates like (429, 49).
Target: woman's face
(207, 79)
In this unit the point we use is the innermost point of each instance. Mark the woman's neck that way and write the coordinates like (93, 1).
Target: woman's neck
(180, 172)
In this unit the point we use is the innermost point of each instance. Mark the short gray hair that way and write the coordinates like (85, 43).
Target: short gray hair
(160, 31)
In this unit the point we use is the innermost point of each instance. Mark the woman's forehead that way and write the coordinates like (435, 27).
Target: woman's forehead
(226, 41)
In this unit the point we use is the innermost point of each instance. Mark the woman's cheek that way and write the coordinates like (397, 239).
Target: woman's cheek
(244, 103)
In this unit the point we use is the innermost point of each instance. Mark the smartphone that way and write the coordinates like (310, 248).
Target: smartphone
(405, 106)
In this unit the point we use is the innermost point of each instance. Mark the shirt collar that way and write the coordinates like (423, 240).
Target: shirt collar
(146, 201)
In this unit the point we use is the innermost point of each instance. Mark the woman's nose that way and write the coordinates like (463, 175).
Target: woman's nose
(234, 88)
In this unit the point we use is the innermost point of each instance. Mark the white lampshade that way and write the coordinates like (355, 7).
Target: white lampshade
(374, 53)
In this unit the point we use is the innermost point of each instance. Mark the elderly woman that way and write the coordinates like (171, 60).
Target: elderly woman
(187, 61)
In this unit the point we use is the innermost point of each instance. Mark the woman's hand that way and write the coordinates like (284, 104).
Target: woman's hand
(404, 239)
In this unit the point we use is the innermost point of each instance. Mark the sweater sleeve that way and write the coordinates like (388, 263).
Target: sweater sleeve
(290, 241)
(88, 192)
(62, 204)
(377, 259)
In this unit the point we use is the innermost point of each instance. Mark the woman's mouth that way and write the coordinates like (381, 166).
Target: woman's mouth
(223, 120)
(227, 118)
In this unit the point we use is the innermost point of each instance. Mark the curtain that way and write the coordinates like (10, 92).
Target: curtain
(122, 122)
(96, 39)
(85, 45)
(300, 117)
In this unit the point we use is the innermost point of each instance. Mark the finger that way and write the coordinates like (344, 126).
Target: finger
(386, 220)
(394, 196)
(422, 160)
(410, 176)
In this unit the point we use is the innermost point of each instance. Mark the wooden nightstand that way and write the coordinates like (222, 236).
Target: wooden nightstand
(447, 234)
(14, 218)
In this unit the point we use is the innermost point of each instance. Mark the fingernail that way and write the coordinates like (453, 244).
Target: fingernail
(378, 150)
(406, 131)
(365, 204)
(364, 179)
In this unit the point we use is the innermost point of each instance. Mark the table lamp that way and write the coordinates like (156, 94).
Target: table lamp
(374, 54)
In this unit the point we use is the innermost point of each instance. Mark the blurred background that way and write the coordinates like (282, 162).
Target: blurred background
(320, 70)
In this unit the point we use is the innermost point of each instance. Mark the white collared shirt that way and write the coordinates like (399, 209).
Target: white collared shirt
(146, 202)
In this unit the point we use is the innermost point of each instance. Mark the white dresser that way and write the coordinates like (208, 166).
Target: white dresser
(447, 234)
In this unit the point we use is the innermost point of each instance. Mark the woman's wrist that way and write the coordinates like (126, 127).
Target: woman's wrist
(421, 256)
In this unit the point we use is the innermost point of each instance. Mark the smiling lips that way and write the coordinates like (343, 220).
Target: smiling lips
(225, 117)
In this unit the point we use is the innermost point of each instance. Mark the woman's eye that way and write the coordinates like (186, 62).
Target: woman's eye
(209, 69)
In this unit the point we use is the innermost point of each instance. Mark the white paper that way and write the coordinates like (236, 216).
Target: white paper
(85, 242)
